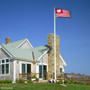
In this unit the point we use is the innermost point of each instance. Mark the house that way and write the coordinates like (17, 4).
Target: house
(21, 57)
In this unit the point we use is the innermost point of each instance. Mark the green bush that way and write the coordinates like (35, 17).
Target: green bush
(28, 81)
(33, 77)
(67, 82)
(20, 81)
(71, 82)
(5, 81)
(74, 82)
(59, 82)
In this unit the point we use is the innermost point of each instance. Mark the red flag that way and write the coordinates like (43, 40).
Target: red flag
(62, 13)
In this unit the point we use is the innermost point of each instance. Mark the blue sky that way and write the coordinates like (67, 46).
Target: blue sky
(34, 19)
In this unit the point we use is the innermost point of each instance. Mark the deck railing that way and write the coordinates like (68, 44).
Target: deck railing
(68, 76)
(26, 76)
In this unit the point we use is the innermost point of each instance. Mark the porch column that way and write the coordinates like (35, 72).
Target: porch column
(42, 68)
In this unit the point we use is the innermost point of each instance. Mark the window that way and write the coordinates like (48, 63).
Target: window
(40, 71)
(2, 69)
(7, 60)
(3, 61)
(23, 68)
(4, 66)
(60, 70)
(7, 68)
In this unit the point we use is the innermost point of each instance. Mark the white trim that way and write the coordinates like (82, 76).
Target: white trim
(43, 64)
(24, 42)
(64, 63)
(14, 70)
(29, 43)
(20, 67)
(42, 55)
(6, 51)
(62, 68)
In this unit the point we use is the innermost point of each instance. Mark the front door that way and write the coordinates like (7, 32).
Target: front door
(44, 71)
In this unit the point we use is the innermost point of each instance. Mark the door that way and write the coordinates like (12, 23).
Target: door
(28, 71)
(28, 68)
(44, 71)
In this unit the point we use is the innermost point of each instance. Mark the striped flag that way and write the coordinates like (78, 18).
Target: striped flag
(62, 13)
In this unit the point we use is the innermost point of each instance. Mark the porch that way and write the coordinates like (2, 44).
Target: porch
(60, 76)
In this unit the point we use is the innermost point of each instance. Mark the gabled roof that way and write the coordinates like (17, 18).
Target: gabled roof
(24, 53)
(64, 63)
(14, 44)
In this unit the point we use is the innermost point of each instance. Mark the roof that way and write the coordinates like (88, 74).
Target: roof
(24, 53)
(14, 44)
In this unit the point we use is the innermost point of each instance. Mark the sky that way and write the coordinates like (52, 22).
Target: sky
(34, 19)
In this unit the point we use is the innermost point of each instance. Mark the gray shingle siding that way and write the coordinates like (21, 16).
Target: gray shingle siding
(3, 54)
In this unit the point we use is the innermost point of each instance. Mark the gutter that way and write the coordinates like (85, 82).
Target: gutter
(22, 59)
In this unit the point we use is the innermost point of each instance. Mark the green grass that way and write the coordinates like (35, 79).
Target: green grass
(43, 86)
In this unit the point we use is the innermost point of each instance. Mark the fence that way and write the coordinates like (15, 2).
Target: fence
(68, 76)
(28, 76)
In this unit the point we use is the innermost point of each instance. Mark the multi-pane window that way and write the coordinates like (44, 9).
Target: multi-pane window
(3, 61)
(23, 68)
(4, 66)
(7, 60)
(7, 68)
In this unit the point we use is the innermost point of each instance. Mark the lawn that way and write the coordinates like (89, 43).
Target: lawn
(43, 86)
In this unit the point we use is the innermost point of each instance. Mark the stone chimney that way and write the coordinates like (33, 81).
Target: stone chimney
(51, 54)
(7, 40)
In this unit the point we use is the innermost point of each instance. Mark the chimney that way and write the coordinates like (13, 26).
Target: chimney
(8, 40)
(51, 54)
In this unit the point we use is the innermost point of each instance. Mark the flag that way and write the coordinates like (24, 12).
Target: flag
(62, 13)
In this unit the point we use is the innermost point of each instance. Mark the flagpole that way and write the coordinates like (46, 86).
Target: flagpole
(54, 43)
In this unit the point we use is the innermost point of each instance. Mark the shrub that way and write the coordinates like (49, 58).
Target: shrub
(66, 81)
(19, 81)
(5, 81)
(59, 82)
(88, 83)
(71, 82)
(33, 77)
(28, 81)
(8, 81)
(75, 82)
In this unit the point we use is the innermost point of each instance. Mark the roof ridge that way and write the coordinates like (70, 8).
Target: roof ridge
(14, 42)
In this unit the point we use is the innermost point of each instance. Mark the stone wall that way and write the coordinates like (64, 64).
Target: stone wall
(51, 54)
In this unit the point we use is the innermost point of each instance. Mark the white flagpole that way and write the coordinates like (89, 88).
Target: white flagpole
(55, 43)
